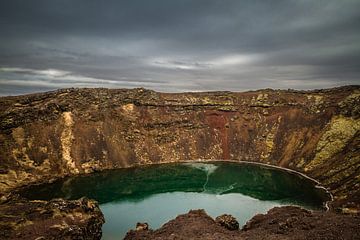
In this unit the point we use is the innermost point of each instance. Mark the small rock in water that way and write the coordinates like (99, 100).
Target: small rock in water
(227, 221)
(142, 226)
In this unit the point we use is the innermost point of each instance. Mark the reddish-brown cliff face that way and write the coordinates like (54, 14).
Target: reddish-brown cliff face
(72, 131)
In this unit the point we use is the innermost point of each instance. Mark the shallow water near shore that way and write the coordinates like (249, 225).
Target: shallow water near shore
(157, 193)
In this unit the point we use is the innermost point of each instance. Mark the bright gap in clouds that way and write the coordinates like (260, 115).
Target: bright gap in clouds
(189, 64)
(50, 79)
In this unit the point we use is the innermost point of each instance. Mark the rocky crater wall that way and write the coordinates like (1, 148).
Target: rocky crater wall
(74, 131)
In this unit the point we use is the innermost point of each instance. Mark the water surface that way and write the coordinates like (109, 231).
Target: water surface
(157, 193)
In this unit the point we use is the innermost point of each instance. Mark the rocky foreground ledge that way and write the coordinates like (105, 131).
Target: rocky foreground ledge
(279, 223)
(55, 219)
(82, 219)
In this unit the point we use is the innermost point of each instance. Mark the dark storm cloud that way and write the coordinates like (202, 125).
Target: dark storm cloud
(181, 45)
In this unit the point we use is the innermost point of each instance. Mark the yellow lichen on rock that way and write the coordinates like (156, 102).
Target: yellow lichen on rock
(66, 142)
(19, 153)
(300, 163)
(14, 179)
(90, 166)
(128, 108)
(351, 104)
(19, 135)
(317, 98)
(354, 96)
(340, 131)
(262, 97)
(269, 141)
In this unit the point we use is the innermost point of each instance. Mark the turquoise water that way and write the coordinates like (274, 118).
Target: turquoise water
(160, 208)
(157, 193)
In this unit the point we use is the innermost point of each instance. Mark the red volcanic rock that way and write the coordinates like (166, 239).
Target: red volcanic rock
(285, 223)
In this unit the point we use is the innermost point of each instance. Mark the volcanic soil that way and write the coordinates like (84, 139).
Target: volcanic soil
(279, 223)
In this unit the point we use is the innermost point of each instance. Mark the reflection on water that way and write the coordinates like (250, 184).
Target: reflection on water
(160, 208)
(158, 193)
(208, 168)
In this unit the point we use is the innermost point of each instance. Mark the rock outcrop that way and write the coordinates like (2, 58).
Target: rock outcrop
(227, 221)
(279, 223)
(55, 219)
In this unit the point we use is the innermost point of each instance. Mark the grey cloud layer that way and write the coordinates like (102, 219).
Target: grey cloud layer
(180, 45)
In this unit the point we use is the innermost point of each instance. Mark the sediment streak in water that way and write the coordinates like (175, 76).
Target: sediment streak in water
(207, 168)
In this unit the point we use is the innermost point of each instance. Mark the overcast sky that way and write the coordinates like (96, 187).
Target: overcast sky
(178, 45)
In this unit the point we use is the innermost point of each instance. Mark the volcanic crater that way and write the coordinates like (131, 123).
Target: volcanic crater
(56, 135)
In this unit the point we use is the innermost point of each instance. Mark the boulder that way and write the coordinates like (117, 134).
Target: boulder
(227, 221)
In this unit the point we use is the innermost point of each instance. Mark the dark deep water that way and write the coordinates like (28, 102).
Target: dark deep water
(158, 193)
